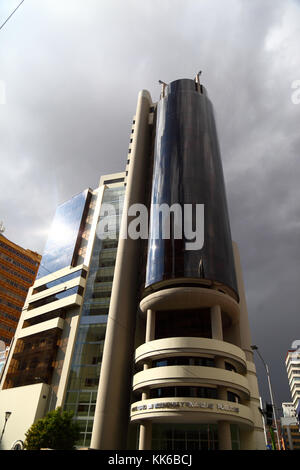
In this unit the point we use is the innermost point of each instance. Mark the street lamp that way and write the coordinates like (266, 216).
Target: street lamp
(7, 415)
(255, 348)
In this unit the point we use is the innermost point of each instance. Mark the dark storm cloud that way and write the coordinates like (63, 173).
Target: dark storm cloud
(72, 72)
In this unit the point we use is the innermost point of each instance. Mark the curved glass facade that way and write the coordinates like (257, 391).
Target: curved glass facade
(65, 235)
(187, 169)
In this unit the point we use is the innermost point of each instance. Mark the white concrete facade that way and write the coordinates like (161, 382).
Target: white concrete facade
(292, 363)
(27, 405)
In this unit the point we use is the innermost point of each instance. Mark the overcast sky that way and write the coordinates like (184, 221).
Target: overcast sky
(71, 71)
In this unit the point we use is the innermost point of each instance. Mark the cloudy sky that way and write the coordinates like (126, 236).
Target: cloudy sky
(70, 72)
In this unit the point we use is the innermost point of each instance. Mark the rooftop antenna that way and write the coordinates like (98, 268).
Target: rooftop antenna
(2, 228)
(197, 80)
(164, 85)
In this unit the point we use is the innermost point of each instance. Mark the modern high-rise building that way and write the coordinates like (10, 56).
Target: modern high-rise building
(292, 363)
(139, 324)
(18, 269)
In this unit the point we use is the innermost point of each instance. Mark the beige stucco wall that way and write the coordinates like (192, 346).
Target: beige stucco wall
(27, 405)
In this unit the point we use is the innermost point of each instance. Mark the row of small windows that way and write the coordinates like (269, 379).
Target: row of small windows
(190, 361)
(15, 273)
(16, 263)
(20, 255)
(104, 278)
(11, 305)
(191, 392)
(116, 180)
(12, 294)
(10, 317)
(7, 328)
(184, 392)
(184, 361)
(13, 283)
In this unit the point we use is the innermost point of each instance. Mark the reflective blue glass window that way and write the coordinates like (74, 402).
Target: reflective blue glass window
(63, 235)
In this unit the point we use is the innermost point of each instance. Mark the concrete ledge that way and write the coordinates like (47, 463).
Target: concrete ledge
(181, 298)
(190, 376)
(168, 347)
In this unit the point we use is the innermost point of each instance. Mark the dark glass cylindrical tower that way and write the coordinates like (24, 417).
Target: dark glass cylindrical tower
(187, 170)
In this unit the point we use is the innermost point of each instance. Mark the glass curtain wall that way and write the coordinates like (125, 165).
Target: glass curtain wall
(87, 357)
(185, 437)
(190, 436)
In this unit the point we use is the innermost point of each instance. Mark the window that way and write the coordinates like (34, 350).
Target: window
(184, 392)
(117, 180)
(52, 298)
(17, 253)
(230, 367)
(184, 436)
(184, 361)
(181, 323)
(233, 397)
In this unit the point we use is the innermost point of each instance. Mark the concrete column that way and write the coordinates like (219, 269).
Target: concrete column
(145, 394)
(220, 362)
(150, 326)
(145, 435)
(111, 419)
(224, 435)
(222, 393)
(216, 322)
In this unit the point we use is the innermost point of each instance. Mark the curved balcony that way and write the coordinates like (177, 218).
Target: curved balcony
(190, 376)
(184, 346)
(181, 298)
(192, 410)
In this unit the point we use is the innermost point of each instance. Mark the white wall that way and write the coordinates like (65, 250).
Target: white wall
(27, 405)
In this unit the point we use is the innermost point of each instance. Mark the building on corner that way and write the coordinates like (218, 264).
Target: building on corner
(144, 338)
